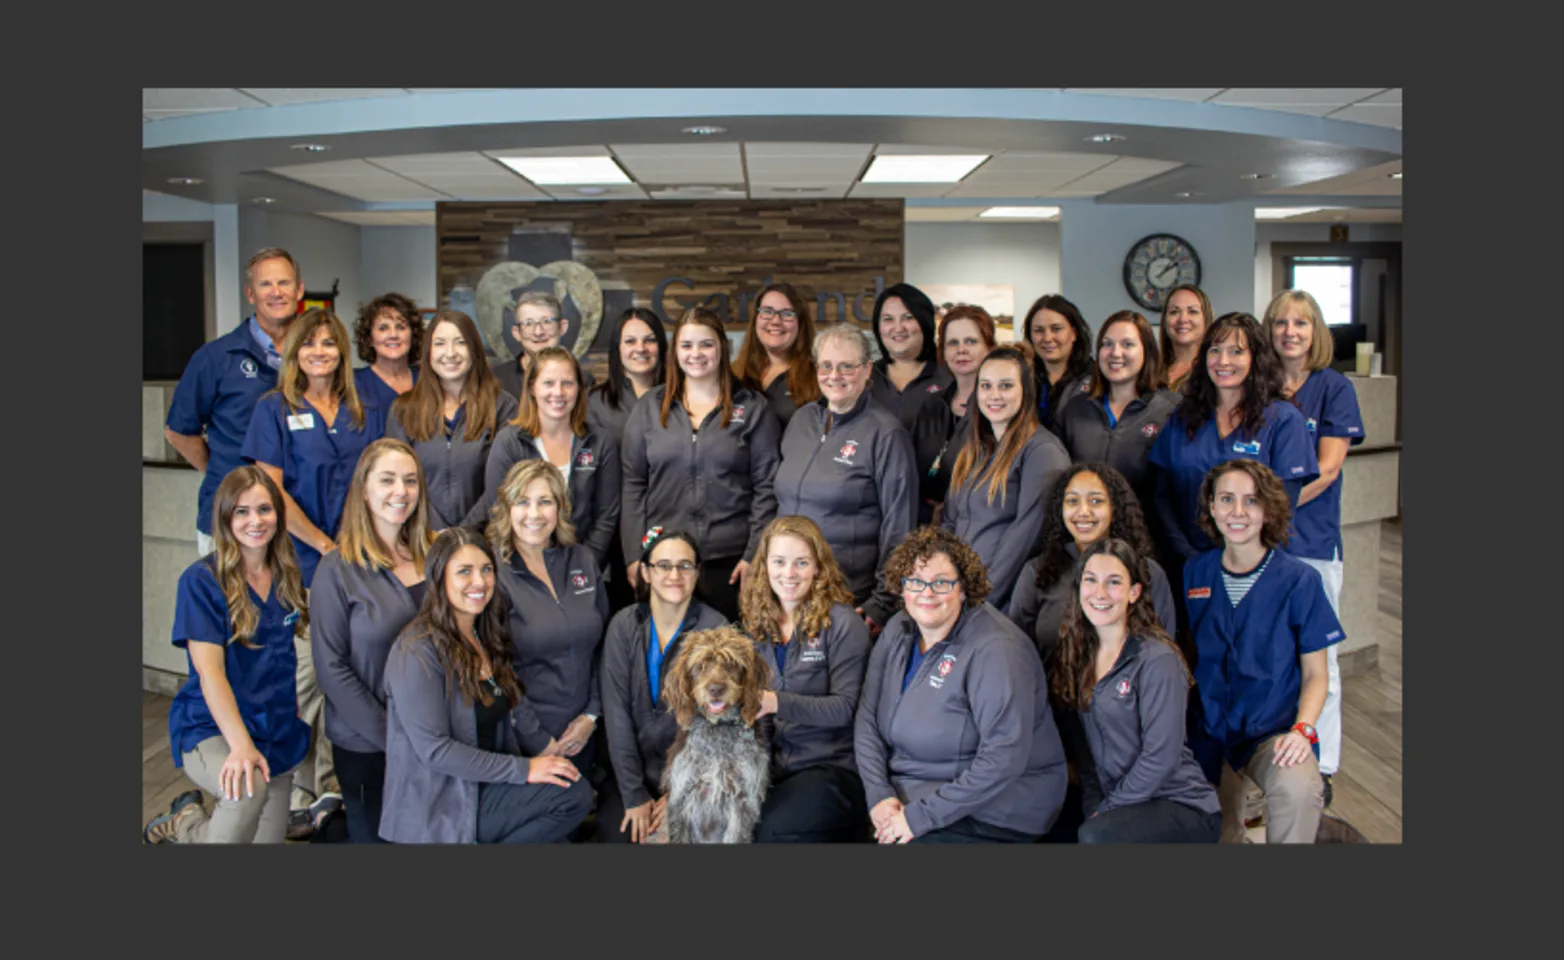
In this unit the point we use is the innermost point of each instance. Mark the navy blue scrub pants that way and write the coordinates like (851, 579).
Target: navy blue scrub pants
(1155, 821)
(531, 812)
(823, 804)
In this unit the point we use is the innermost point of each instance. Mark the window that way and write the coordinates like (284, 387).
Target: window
(1332, 281)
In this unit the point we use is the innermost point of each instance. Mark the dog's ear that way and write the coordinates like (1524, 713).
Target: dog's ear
(675, 694)
(755, 674)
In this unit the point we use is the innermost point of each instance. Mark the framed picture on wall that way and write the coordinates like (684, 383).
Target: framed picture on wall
(996, 298)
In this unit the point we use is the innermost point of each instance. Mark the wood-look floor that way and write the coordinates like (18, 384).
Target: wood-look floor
(1367, 787)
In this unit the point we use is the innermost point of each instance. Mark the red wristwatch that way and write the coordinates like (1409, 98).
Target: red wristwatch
(1307, 731)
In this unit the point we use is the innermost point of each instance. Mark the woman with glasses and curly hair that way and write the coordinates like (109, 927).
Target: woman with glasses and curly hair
(640, 727)
(800, 615)
(1121, 674)
(234, 726)
(459, 768)
(777, 356)
(955, 740)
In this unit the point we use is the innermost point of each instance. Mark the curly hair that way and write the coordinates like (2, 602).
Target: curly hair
(1075, 675)
(758, 604)
(491, 628)
(1261, 387)
(925, 542)
(364, 326)
(1268, 488)
(1126, 521)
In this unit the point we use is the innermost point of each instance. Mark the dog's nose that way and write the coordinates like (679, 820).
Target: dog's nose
(715, 689)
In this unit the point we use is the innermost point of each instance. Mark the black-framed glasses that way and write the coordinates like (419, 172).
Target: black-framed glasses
(845, 369)
(531, 325)
(915, 585)
(769, 313)
(664, 567)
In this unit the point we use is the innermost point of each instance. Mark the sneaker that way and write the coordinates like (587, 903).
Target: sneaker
(161, 828)
(328, 804)
(301, 824)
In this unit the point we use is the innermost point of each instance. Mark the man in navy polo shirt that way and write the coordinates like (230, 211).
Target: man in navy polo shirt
(212, 405)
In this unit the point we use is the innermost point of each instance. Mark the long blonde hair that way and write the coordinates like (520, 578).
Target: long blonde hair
(357, 540)
(516, 482)
(228, 561)
(761, 609)
(291, 381)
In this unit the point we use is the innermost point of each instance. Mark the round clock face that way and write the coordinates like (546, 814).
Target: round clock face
(1156, 265)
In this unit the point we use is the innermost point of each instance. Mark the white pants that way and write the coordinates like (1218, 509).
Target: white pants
(1329, 725)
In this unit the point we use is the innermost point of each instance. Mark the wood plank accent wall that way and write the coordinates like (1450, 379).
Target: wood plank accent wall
(713, 252)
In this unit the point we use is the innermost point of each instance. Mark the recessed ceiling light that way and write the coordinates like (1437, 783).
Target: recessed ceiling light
(1186, 194)
(1396, 175)
(554, 171)
(263, 200)
(185, 181)
(1254, 176)
(1105, 138)
(704, 130)
(311, 147)
(1020, 213)
(929, 168)
(1282, 213)
(796, 189)
(591, 191)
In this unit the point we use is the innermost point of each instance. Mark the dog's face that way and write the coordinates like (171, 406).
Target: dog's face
(717, 674)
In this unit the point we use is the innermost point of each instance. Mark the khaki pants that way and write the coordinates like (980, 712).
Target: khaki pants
(1294, 797)
(315, 774)
(262, 818)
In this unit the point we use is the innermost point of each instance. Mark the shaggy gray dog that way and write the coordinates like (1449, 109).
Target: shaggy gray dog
(718, 767)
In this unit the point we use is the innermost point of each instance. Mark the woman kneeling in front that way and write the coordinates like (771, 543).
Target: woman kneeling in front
(1121, 672)
(955, 740)
(456, 771)
(1262, 623)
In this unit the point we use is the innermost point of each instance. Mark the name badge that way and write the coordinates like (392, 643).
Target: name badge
(303, 421)
(1252, 448)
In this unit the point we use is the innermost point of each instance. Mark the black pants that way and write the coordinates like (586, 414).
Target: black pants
(611, 812)
(531, 812)
(714, 588)
(968, 830)
(1155, 821)
(618, 582)
(823, 804)
(362, 777)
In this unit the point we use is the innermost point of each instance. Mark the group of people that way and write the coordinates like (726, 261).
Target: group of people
(1005, 592)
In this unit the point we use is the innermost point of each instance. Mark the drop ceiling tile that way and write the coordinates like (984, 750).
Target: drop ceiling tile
(384, 218)
(910, 149)
(799, 172)
(359, 179)
(942, 214)
(587, 150)
(900, 189)
(1152, 93)
(990, 191)
(1389, 96)
(1042, 160)
(1140, 165)
(278, 96)
(611, 191)
(684, 193)
(790, 150)
(171, 101)
(1378, 114)
(688, 171)
(1274, 98)
(676, 151)
(812, 192)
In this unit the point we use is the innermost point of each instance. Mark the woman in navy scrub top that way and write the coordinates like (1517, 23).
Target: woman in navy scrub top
(640, 728)
(1004, 472)
(1063, 346)
(558, 608)
(234, 726)
(389, 334)
(1330, 409)
(1232, 407)
(1261, 623)
(308, 434)
(800, 615)
(777, 356)
(365, 592)
(450, 419)
(1120, 673)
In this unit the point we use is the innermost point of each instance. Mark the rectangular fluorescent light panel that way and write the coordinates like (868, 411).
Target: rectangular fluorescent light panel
(1025, 213)
(1282, 213)
(922, 169)
(548, 171)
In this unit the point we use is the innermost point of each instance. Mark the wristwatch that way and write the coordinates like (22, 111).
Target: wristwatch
(1307, 731)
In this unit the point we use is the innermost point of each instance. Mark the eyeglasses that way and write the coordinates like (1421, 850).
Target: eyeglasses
(767, 313)
(531, 325)
(845, 369)
(914, 585)
(665, 568)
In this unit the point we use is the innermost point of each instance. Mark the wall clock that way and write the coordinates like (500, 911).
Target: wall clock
(1156, 265)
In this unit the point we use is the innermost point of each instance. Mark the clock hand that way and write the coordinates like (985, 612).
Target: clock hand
(1164, 271)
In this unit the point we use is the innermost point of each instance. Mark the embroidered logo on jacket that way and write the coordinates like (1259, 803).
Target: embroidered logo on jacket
(1149, 429)
(811, 652)
(584, 460)
(849, 450)
(1311, 424)
(248, 368)
(934, 388)
(738, 413)
(580, 582)
(942, 670)
(1124, 688)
